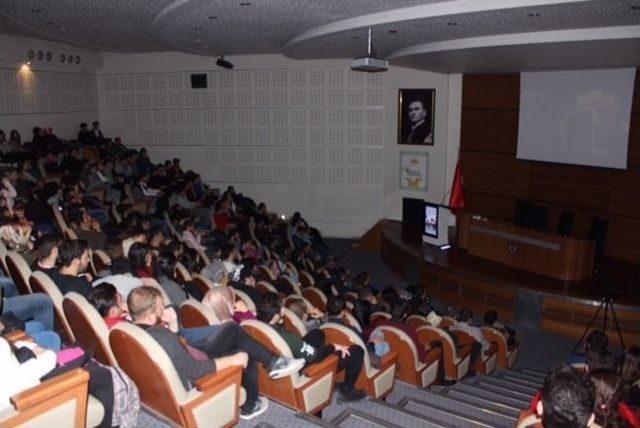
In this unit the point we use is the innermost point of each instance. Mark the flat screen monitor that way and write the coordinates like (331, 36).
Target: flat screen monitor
(431, 220)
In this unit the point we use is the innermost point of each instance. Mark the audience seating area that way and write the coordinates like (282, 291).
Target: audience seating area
(440, 378)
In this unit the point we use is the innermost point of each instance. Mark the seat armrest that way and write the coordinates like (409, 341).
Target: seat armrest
(17, 335)
(209, 381)
(492, 349)
(328, 364)
(463, 351)
(388, 359)
(50, 388)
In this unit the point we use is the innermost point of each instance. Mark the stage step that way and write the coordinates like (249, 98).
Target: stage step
(376, 412)
(502, 407)
(511, 385)
(520, 402)
(463, 413)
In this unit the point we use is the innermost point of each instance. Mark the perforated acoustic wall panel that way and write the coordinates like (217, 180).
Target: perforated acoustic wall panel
(284, 126)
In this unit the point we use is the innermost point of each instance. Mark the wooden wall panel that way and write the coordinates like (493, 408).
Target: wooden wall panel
(633, 155)
(490, 206)
(494, 173)
(569, 185)
(491, 91)
(625, 193)
(489, 131)
(494, 179)
(623, 239)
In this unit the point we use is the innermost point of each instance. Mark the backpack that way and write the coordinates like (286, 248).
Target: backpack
(126, 399)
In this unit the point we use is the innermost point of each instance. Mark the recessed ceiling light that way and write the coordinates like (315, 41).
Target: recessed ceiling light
(355, 37)
(63, 28)
(35, 10)
(198, 28)
(245, 3)
(452, 23)
(534, 15)
(213, 17)
(392, 31)
(49, 23)
(635, 7)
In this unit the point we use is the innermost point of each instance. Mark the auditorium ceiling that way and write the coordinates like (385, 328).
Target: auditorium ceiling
(438, 35)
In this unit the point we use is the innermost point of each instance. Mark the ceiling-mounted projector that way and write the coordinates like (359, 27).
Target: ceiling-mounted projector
(370, 63)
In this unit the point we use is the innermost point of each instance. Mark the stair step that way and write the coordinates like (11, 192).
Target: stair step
(508, 392)
(349, 418)
(377, 412)
(521, 381)
(461, 411)
(540, 374)
(518, 375)
(514, 386)
(495, 396)
(507, 409)
(278, 415)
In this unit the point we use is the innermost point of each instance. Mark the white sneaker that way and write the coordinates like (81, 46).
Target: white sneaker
(261, 406)
(284, 366)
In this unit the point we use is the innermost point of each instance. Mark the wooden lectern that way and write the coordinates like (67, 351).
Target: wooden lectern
(545, 253)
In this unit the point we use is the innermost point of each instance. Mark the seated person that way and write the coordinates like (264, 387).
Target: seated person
(600, 359)
(109, 304)
(596, 340)
(121, 277)
(216, 273)
(567, 400)
(336, 308)
(629, 371)
(47, 249)
(32, 313)
(16, 376)
(313, 347)
(465, 325)
(86, 228)
(399, 312)
(222, 301)
(74, 260)
(226, 345)
(610, 410)
(166, 267)
(247, 283)
(491, 320)
(309, 315)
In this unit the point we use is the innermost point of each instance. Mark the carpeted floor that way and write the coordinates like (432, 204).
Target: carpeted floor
(538, 349)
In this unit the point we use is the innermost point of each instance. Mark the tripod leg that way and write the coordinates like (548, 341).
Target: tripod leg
(617, 325)
(586, 330)
(607, 304)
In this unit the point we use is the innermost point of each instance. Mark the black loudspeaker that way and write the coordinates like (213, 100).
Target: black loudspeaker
(566, 223)
(598, 232)
(199, 81)
(523, 214)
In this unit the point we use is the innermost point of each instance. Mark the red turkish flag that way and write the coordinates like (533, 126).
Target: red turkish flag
(456, 201)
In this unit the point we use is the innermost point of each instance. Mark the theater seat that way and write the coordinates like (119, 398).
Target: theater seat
(376, 382)
(308, 392)
(353, 322)
(380, 314)
(447, 322)
(40, 282)
(196, 314)
(265, 274)
(213, 402)
(409, 367)
(19, 271)
(293, 323)
(489, 358)
(100, 261)
(241, 295)
(88, 327)
(306, 279)
(202, 283)
(415, 321)
(182, 274)
(507, 355)
(295, 287)
(3, 254)
(265, 287)
(456, 361)
(60, 402)
(316, 297)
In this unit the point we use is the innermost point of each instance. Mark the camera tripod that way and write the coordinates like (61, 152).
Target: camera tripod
(607, 303)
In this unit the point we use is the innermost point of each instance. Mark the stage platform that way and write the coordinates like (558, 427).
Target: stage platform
(517, 295)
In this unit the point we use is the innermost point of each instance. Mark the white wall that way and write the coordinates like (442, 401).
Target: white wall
(47, 93)
(300, 135)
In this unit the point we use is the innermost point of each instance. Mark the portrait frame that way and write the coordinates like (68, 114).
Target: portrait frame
(424, 134)
(414, 171)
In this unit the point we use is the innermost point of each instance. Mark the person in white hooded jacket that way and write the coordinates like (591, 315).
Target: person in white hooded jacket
(18, 377)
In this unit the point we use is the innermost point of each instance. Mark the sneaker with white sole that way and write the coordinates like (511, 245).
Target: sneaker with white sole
(259, 407)
(284, 366)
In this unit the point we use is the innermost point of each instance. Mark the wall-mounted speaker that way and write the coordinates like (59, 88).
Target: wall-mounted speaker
(199, 81)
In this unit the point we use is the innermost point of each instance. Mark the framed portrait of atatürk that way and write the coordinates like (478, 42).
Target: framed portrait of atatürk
(415, 116)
